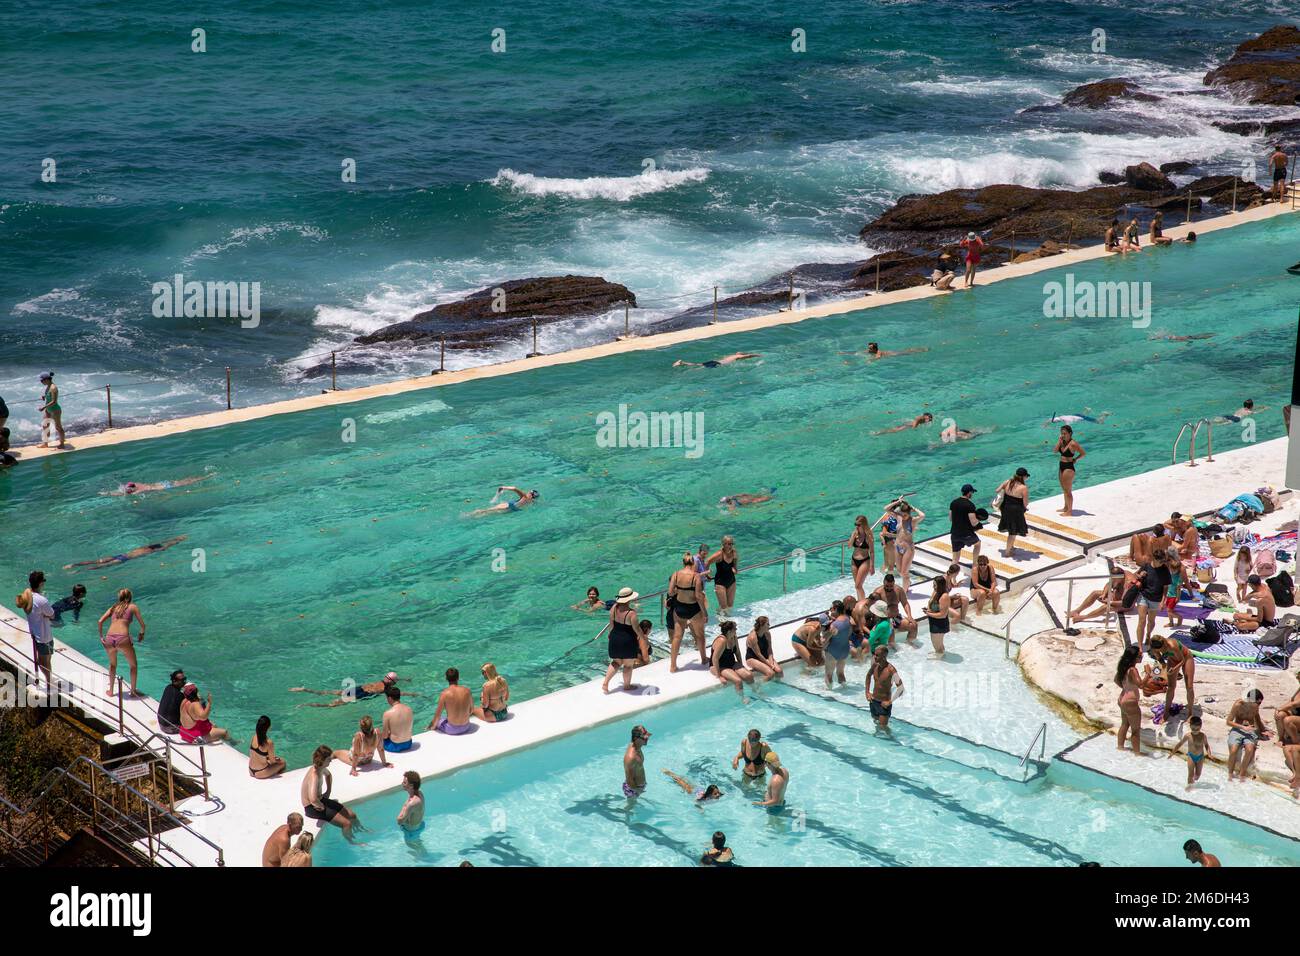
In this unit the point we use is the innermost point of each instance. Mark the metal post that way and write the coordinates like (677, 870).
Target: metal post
(120, 728)
(627, 321)
(171, 782)
(442, 355)
(334, 372)
(108, 390)
(1012, 257)
(841, 558)
(1189, 206)
(94, 805)
(534, 353)
(1288, 184)
(203, 767)
(1069, 237)
(1069, 601)
(715, 306)
(148, 815)
(791, 291)
(784, 563)
(1234, 193)
(228, 405)
(877, 275)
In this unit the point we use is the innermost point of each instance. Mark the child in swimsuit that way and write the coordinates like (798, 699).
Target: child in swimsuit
(1198, 748)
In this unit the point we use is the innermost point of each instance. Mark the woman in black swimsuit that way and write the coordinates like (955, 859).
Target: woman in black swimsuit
(262, 760)
(727, 666)
(624, 647)
(758, 650)
(724, 577)
(1015, 503)
(937, 610)
(689, 609)
(864, 553)
(1070, 452)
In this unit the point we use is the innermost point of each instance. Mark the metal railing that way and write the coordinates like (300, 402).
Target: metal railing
(95, 801)
(1042, 750)
(1191, 449)
(1035, 590)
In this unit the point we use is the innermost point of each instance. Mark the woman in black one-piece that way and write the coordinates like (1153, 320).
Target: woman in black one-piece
(1015, 504)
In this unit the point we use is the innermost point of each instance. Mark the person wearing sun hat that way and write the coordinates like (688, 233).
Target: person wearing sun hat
(973, 245)
(882, 632)
(624, 641)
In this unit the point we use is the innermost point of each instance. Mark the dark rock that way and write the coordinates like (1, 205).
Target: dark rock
(1266, 68)
(1217, 190)
(473, 318)
(1146, 177)
(1110, 179)
(1286, 130)
(1102, 92)
(1180, 166)
(1048, 248)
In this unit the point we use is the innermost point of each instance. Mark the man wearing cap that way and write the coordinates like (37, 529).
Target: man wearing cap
(973, 245)
(351, 690)
(634, 763)
(965, 520)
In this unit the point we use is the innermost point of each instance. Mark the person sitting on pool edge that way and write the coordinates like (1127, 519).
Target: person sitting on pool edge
(458, 702)
(398, 722)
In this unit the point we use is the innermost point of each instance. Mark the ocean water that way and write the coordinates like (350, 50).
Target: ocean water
(474, 166)
(337, 543)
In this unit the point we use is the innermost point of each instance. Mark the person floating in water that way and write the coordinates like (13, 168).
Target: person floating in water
(1075, 419)
(715, 363)
(924, 418)
(1170, 337)
(127, 555)
(701, 794)
(524, 499)
(732, 502)
(952, 433)
(874, 351)
(136, 487)
(352, 691)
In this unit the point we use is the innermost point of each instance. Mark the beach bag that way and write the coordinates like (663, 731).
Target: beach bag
(1130, 597)
(1283, 589)
(997, 498)
(1265, 564)
(1221, 548)
(1204, 575)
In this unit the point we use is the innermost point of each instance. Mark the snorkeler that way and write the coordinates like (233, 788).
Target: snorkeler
(136, 487)
(733, 501)
(715, 363)
(1075, 419)
(924, 418)
(500, 507)
(351, 691)
(126, 555)
(701, 794)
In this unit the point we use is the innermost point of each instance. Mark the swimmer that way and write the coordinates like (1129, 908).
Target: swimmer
(127, 555)
(701, 794)
(1170, 337)
(524, 499)
(715, 363)
(592, 602)
(137, 487)
(1075, 419)
(952, 433)
(352, 691)
(733, 501)
(1246, 411)
(924, 418)
(875, 352)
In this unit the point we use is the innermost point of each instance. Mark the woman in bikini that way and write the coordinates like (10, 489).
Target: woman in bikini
(984, 584)
(758, 650)
(864, 553)
(690, 609)
(494, 697)
(262, 760)
(365, 747)
(724, 577)
(1069, 453)
(119, 636)
(726, 664)
(1179, 663)
(1130, 708)
(904, 542)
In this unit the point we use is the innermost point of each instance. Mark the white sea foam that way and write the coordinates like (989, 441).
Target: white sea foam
(397, 414)
(243, 235)
(617, 188)
(49, 302)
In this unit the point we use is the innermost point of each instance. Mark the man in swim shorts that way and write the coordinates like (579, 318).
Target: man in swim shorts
(1278, 163)
(882, 678)
(522, 500)
(398, 722)
(122, 558)
(895, 598)
(634, 763)
(458, 702)
(351, 690)
(411, 817)
(716, 363)
(1245, 731)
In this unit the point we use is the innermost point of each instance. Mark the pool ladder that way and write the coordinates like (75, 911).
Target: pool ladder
(1191, 448)
(1040, 738)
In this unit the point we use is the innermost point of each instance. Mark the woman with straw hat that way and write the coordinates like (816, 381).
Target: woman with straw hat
(624, 648)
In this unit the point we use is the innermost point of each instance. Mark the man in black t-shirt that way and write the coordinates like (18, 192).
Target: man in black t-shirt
(169, 708)
(1153, 581)
(965, 521)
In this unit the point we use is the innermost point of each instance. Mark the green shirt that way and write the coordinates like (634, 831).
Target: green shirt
(880, 634)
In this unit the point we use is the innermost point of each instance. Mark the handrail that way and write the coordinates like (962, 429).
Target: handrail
(1006, 627)
(1042, 752)
(1209, 433)
(1191, 452)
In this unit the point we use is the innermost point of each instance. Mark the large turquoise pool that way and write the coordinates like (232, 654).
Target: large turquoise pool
(328, 560)
(921, 797)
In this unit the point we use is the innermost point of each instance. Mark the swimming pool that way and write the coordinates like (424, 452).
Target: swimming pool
(921, 797)
(327, 559)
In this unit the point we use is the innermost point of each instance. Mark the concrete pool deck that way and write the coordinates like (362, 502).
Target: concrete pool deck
(216, 419)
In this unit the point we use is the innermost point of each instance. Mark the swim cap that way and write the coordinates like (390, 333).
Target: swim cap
(390, 677)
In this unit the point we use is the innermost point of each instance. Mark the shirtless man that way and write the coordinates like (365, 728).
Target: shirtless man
(634, 763)
(924, 418)
(522, 500)
(715, 363)
(1192, 850)
(777, 781)
(1288, 736)
(398, 722)
(733, 501)
(411, 816)
(882, 678)
(458, 702)
(278, 843)
(1144, 544)
(351, 691)
(317, 804)
(1290, 709)
(900, 612)
(125, 556)
(1277, 163)
(1264, 607)
(1245, 731)
(137, 487)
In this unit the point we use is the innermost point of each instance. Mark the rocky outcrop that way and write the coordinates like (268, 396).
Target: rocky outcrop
(1048, 248)
(494, 312)
(1217, 190)
(1176, 167)
(1266, 69)
(1146, 177)
(1103, 93)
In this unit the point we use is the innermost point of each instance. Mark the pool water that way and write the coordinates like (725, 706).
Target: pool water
(326, 559)
(915, 797)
